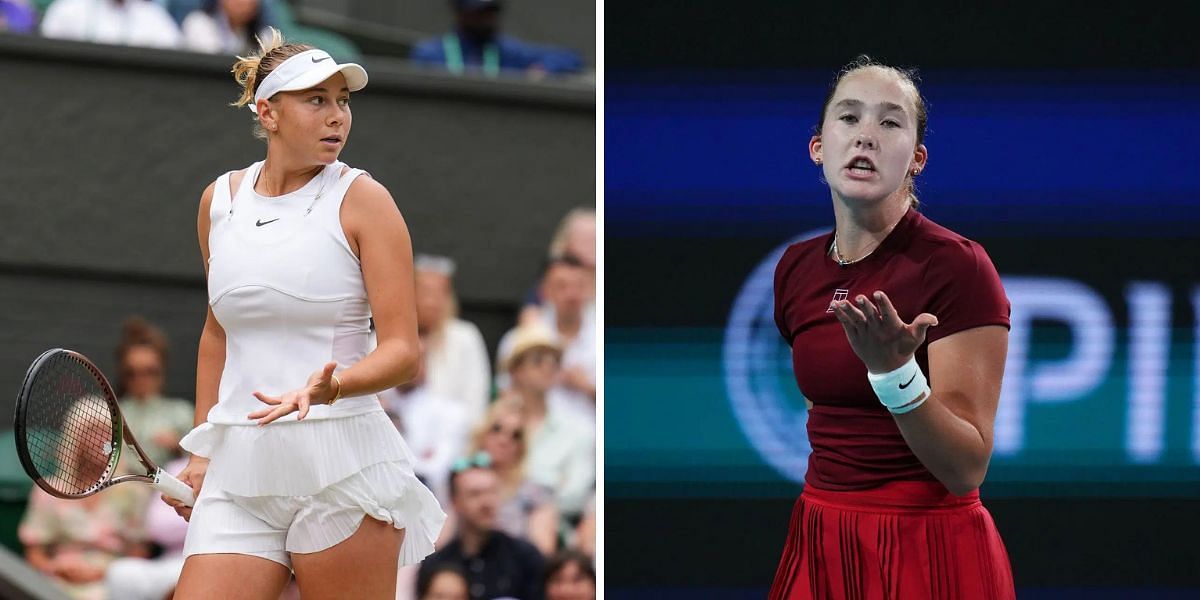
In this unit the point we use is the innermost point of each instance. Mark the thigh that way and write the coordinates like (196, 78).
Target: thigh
(362, 566)
(233, 576)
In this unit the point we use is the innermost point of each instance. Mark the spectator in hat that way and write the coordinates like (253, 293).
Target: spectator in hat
(569, 317)
(456, 358)
(476, 45)
(561, 452)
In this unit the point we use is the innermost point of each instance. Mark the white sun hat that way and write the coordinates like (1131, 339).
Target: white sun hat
(306, 70)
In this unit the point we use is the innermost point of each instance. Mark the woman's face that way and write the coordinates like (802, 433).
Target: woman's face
(868, 141)
(142, 372)
(314, 123)
(570, 583)
(504, 439)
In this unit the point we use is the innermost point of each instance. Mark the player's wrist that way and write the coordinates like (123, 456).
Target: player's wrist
(335, 386)
(902, 389)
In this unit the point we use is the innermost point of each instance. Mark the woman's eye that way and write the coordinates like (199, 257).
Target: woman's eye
(890, 123)
(316, 100)
(344, 101)
(848, 119)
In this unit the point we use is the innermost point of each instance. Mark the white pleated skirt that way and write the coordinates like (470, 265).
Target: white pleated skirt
(281, 471)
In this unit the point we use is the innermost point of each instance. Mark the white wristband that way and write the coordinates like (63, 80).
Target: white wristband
(901, 390)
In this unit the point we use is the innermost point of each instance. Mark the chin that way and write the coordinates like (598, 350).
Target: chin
(863, 195)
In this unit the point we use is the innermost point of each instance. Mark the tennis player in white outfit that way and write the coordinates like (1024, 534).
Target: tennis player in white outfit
(294, 463)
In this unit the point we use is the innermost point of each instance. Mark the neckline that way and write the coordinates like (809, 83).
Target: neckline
(304, 190)
(894, 238)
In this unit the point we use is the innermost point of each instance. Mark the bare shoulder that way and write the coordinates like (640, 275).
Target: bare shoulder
(368, 198)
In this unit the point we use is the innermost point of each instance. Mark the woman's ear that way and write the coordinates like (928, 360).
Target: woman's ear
(266, 115)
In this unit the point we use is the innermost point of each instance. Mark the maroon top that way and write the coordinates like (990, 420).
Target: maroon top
(922, 267)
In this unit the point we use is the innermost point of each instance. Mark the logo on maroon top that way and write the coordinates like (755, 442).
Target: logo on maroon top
(838, 295)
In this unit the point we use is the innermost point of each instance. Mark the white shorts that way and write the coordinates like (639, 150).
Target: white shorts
(273, 527)
(244, 508)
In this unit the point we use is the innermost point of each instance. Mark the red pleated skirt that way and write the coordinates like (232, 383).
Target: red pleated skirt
(904, 540)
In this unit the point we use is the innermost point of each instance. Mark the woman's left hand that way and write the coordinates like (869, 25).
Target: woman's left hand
(878, 336)
(320, 389)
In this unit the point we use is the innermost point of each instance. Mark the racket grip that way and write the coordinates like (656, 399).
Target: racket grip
(173, 487)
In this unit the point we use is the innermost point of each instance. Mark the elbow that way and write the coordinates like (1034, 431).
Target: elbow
(965, 480)
(406, 365)
(962, 487)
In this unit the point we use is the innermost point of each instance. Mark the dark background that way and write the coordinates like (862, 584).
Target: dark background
(687, 218)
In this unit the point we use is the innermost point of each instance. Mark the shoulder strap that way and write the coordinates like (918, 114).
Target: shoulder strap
(338, 188)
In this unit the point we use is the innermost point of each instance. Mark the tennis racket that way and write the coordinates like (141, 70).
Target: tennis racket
(70, 431)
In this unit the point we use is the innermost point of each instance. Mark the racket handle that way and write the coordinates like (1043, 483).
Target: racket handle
(173, 487)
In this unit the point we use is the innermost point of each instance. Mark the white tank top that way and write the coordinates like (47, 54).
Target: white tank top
(288, 290)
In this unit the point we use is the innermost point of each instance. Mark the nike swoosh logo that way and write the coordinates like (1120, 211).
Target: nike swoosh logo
(910, 380)
(260, 223)
(316, 60)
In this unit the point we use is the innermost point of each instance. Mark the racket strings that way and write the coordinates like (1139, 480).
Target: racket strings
(70, 432)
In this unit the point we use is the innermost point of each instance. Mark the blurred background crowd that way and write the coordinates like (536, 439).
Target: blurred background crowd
(471, 36)
(507, 445)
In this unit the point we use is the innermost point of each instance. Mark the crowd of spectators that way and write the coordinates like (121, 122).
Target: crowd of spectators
(475, 44)
(508, 447)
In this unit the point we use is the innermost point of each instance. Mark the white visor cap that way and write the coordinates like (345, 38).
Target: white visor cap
(306, 70)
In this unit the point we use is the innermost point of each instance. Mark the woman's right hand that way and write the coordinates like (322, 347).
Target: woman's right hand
(193, 475)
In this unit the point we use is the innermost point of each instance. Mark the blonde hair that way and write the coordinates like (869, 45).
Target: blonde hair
(250, 71)
(504, 405)
(558, 244)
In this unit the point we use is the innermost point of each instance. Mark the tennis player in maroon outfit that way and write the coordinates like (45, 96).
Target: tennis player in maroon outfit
(899, 330)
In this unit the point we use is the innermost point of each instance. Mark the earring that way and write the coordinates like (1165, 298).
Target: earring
(817, 162)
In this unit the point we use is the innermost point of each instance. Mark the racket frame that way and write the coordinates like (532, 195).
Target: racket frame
(121, 434)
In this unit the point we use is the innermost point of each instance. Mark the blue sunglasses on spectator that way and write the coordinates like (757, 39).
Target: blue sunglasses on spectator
(479, 460)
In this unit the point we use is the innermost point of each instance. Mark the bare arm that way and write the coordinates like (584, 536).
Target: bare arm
(210, 358)
(210, 362)
(952, 432)
(378, 234)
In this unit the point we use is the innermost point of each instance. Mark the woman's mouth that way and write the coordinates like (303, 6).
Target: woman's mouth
(861, 168)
